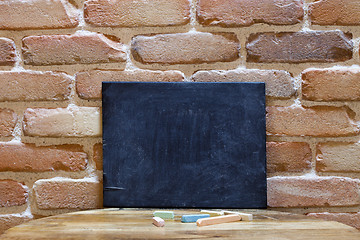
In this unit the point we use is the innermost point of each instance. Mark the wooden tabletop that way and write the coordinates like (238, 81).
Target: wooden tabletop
(109, 224)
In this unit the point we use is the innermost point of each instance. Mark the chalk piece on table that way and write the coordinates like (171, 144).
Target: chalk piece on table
(193, 218)
(159, 222)
(217, 220)
(164, 214)
(212, 213)
(244, 216)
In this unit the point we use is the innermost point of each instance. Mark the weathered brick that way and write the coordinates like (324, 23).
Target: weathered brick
(7, 51)
(351, 219)
(186, 48)
(299, 47)
(21, 157)
(288, 156)
(338, 157)
(335, 12)
(98, 156)
(332, 84)
(72, 121)
(8, 121)
(37, 14)
(312, 191)
(12, 193)
(82, 47)
(34, 86)
(88, 84)
(321, 121)
(230, 13)
(135, 13)
(68, 194)
(11, 220)
(279, 84)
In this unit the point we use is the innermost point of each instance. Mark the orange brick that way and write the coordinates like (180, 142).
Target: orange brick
(338, 157)
(351, 219)
(88, 84)
(335, 12)
(37, 14)
(133, 13)
(279, 84)
(319, 121)
(288, 156)
(8, 121)
(312, 192)
(68, 194)
(186, 48)
(82, 47)
(332, 84)
(7, 51)
(230, 13)
(98, 156)
(29, 158)
(299, 47)
(34, 86)
(12, 193)
(62, 122)
(11, 220)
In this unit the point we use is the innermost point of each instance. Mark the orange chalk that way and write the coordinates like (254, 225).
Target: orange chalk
(159, 222)
(217, 220)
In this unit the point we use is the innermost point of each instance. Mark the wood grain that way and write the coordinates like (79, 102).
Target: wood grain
(113, 224)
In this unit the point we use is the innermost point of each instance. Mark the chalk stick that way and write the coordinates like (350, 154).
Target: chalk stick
(217, 220)
(193, 218)
(164, 214)
(244, 216)
(159, 222)
(212, 213)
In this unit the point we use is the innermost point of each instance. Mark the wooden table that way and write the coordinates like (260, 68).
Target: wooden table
(109, 224)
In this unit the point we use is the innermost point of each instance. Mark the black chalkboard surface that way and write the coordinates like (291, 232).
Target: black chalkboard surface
(185, 145)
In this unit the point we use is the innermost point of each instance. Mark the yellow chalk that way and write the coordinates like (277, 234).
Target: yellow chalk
(212, 213)
(217, 220)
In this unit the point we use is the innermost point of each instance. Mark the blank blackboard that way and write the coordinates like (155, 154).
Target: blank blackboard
(184, 145)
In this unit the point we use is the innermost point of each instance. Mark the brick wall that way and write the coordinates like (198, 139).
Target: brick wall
(54, 55)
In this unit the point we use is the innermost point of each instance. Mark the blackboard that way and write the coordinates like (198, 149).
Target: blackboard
(184, 145)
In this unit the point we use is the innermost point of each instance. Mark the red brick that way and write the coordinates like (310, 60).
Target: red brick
(134, 13)
(7, 51)
(8, 121)
(312, 192)
(98, 156)
(34, 86)
(332, 84)
(12, 193)
(12, 220)
(19, 157)
(88, 84)
(338, 157)
(62, 122)
(82, 47)
(299, 47)
(37, 14)
(351, 219)
(321, 121)
(68, 194)
(288, 156)
(230, 13)
(335, 12)
(279, 84)
(186, 48)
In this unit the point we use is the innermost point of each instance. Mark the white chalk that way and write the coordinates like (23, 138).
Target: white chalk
(244, 216)
(159, 222)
